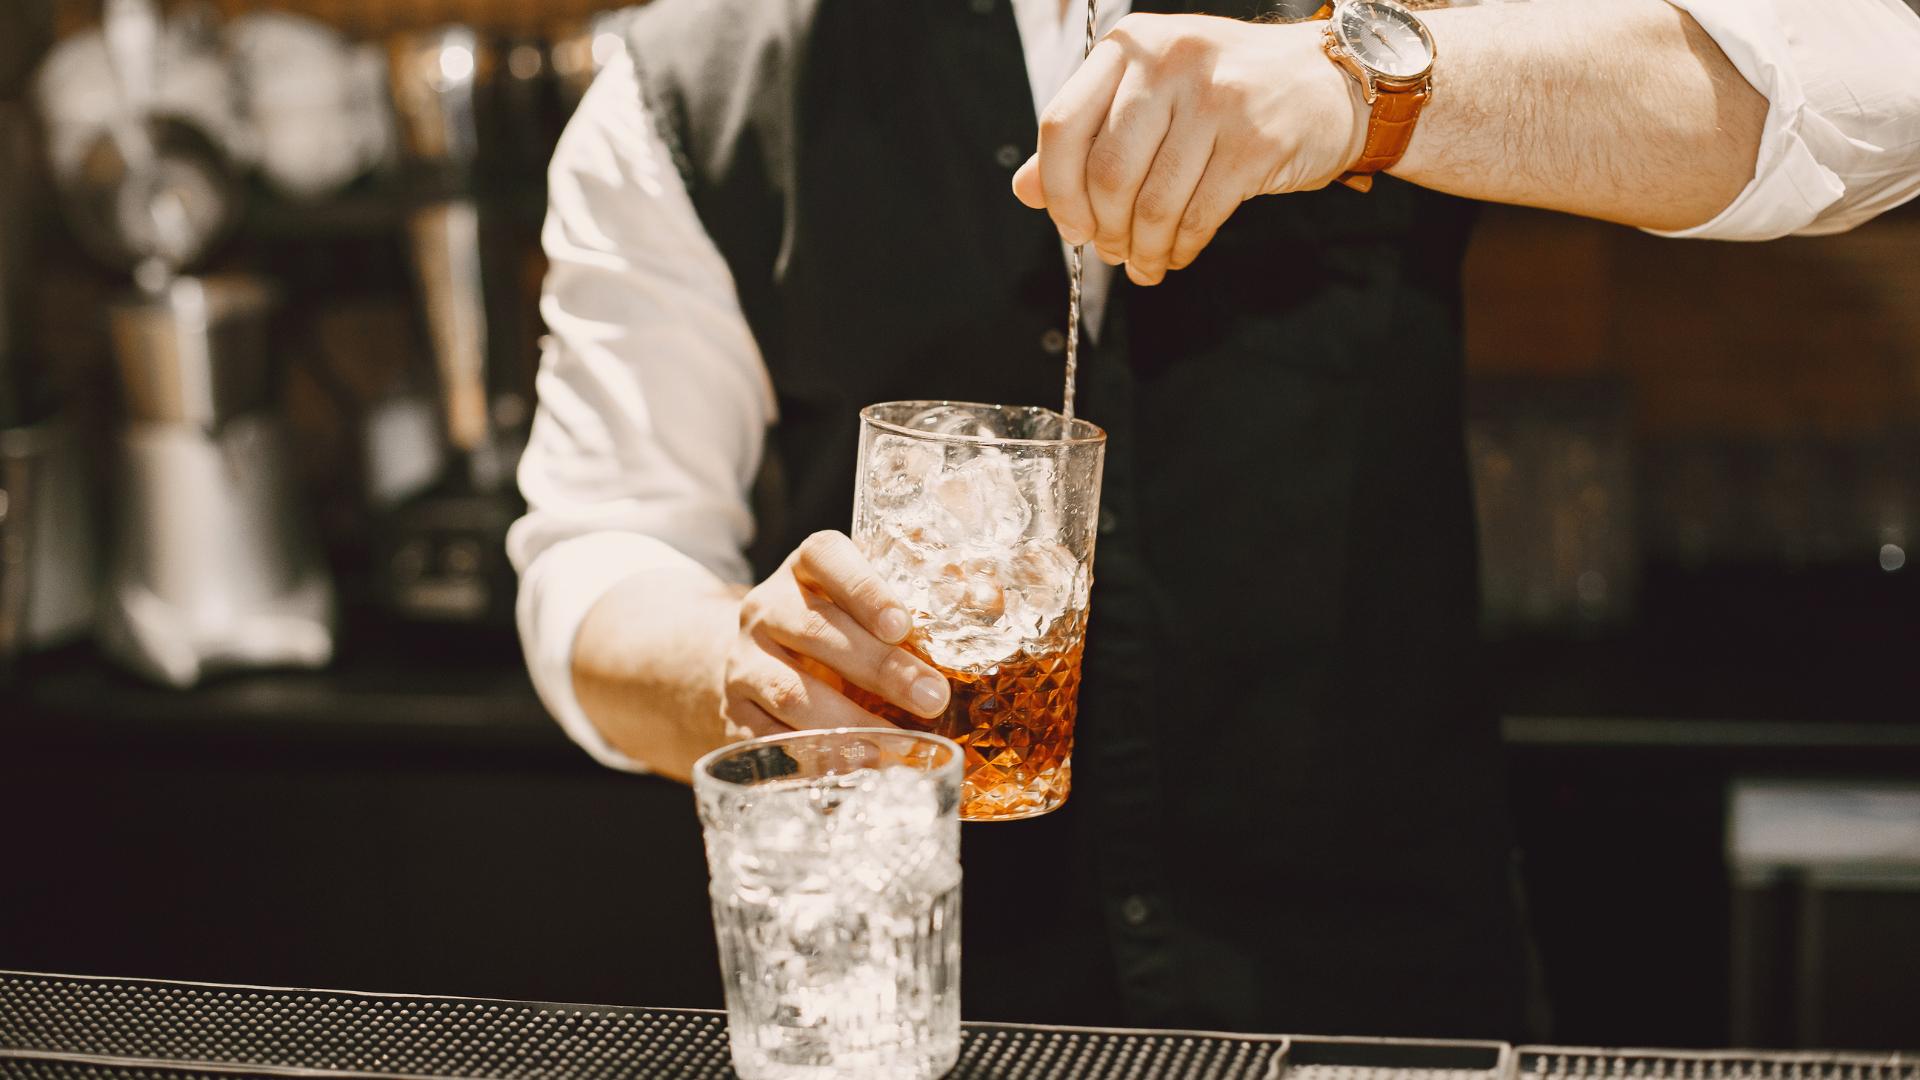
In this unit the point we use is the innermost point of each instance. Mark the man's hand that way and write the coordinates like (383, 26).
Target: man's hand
(1173, 121)
(824, 616)
(1626, 111)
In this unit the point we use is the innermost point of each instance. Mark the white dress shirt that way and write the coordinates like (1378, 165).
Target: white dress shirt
(654, 400)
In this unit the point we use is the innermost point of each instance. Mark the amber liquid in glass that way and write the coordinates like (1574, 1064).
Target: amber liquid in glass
(1015, 722)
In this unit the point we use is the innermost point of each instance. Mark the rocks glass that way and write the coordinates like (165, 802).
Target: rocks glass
(835, 861)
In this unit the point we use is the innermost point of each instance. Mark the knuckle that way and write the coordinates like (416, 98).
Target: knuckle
(868, 594)
(753, 610)
(1167, 162)
(1186, 48)
(1106, 170)
(1053, 121)
(1194, 224)
(898, 670)
(783, 692)
(1152, 208)
(818, 546)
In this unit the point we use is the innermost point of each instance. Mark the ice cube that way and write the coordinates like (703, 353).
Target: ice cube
(928, 870)
(898, 470)
(969, 648)
(777, 841)
(978, 504)
(1043, 581)
(956, 420)
(907, 559)
(906, 544)
(774, 817)
(886, 827)
(968, 591)
(901, 799)
(1040, 483)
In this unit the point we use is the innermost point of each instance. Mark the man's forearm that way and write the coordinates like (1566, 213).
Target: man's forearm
(1624, 110)
(647, 667)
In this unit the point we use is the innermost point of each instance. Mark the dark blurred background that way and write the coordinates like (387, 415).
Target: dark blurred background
(267, 336)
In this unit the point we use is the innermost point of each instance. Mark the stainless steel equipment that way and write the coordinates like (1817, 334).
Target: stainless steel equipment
(446, 251)
(211, 565)
(196, 354)
(441, 555)
(434, 79)
(158, 209)
(153, 192)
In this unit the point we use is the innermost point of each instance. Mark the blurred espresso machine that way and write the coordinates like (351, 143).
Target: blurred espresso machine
(212, 566)
(441, 554)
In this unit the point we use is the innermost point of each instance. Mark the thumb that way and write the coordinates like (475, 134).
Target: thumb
(1026, 184)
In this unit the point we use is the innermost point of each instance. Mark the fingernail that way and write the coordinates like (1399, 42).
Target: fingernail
(894, 625)
(929, 694)
(1073, 237)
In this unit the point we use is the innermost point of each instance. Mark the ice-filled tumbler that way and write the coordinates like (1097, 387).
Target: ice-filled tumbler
(835, 863)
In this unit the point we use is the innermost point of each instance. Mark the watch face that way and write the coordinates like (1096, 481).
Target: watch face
(1384, 37)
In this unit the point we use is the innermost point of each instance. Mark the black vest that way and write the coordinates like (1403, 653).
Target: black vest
(1287, 809)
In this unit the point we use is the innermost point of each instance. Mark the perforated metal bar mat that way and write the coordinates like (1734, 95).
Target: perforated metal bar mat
(1019, 1052)
(1387, 1059)
(1564, 1063)
(55, 1026)
(59, 1027)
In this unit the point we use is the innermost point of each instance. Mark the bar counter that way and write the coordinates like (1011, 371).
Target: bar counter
(195, 829)
(71, 1026)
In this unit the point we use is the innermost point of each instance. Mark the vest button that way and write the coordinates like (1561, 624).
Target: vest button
(1009, 156)
(1053, 342)
(1109, 522)
(981, 7)
(1135, 912)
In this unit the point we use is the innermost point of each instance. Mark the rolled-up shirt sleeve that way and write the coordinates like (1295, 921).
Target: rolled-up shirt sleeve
(1842, 136)
(654, 399)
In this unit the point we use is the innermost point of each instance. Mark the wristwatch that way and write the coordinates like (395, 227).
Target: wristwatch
(1387, 49)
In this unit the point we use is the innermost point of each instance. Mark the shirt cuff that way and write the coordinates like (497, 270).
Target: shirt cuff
(557, 590)
(1790, 187)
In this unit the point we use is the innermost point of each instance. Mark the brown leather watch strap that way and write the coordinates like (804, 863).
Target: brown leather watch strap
(1389, 132)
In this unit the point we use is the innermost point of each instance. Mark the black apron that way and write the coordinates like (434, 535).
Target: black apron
(1288, 809)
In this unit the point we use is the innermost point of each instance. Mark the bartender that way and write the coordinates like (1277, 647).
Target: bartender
(1288, 808)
